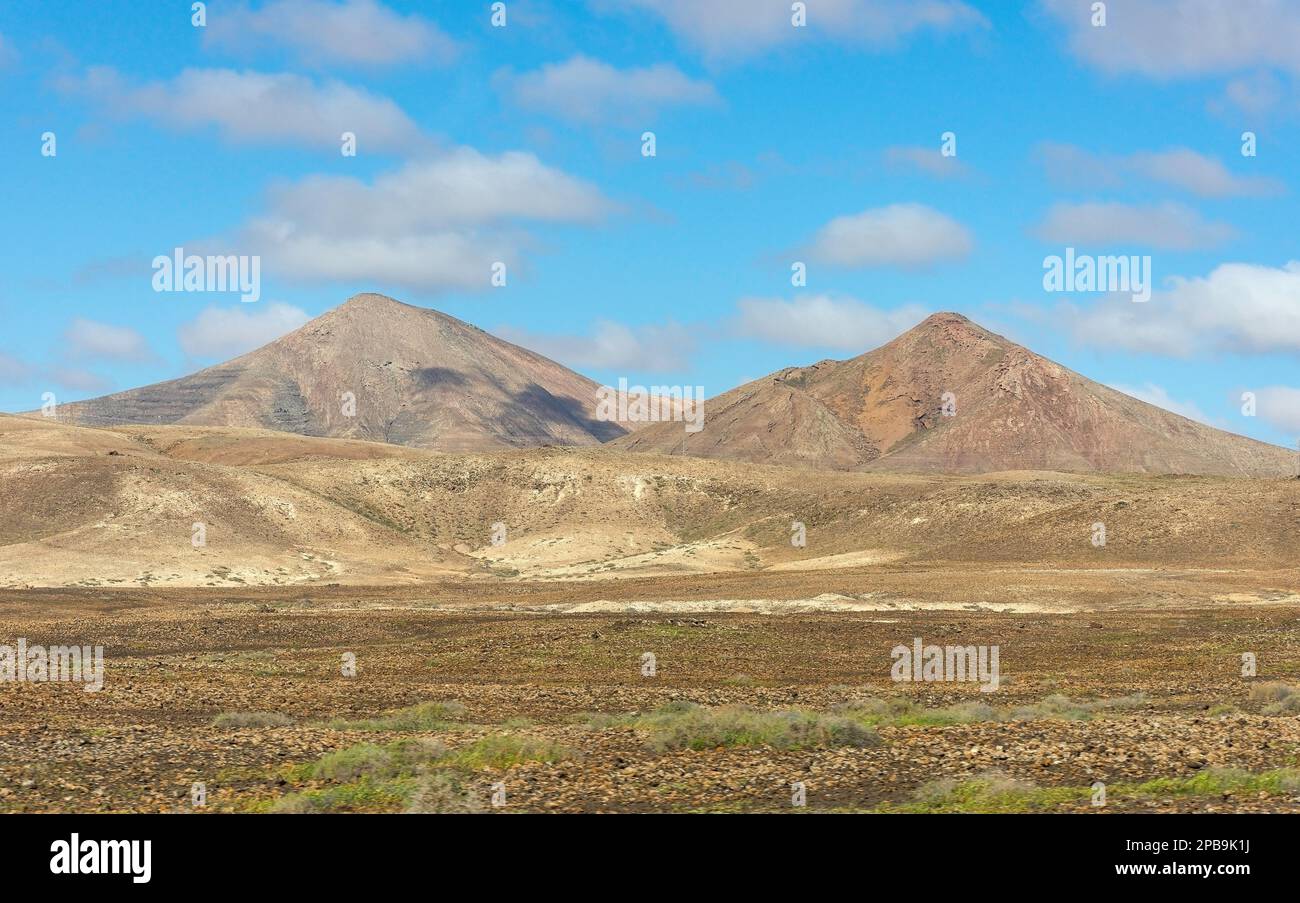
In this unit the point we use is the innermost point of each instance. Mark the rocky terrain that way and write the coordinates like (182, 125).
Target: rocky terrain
(248, 698)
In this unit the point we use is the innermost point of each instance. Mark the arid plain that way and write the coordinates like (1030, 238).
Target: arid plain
(512, 677)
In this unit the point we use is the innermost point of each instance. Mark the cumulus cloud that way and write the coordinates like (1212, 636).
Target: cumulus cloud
(225, 332)
(904, 235)
(1279, 406)
(654, 348)
(433, 224)
(822, 321)
(255, 108)
(739, 28)
(585, 90)
(1239, 307)
(1159, 396)
(358, 32)
(1168, 226)
(91, 340)
(1179, 167)
(926, 159)
(1167, 39)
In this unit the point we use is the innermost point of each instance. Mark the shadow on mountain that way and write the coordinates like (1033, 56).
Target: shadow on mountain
(534, 403)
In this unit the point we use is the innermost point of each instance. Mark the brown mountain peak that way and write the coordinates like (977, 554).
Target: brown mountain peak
(943, 317)
(375, 368)
(949, 395)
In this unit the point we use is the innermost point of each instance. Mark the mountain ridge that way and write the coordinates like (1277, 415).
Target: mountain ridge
(950, 396)
(375, 368)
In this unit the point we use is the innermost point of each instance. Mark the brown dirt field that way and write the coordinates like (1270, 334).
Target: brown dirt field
(176, 659)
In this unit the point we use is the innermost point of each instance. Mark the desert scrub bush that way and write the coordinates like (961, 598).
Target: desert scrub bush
(685, 725)
(992, 791)
(1278, 698)
(505, 750)
(234, 720)
(902, 712)
(1063, 707)
(364, 795)
(367, 760)
(426, 716)
(1217, 781)
(444, 793)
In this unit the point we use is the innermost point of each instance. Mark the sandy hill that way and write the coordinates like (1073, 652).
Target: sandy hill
(418, 377)
(100, 507)
(1010, 409)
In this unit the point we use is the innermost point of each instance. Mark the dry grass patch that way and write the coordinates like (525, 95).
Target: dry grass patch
(237, 720)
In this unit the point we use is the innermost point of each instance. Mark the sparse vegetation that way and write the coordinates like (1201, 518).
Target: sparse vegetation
(991, 792)
(415, 774)
(685, 725)
(899, 712)
(358, 796)
(1278, 698)
(426, 716)
(366, 760)
(444, 793)
(506, 750)
(237, 720)
(997, 792)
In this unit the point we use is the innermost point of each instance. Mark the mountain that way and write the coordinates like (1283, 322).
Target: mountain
(1010, 409)
(419, 378)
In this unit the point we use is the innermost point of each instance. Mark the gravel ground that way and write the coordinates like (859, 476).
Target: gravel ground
(171, 666)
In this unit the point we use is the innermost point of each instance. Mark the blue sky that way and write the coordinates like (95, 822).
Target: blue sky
(774, 144)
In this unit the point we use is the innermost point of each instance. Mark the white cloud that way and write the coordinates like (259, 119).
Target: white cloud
(361, 32)
(821, 321)
(1257, 94)
(13, 370)
(586, 90)
(1168, 226)
(615, 346)
(1280, 407)
(256, 108)
(88, 339)
(738, 28)
(79, 380)
(433, 224)
(1179, 167)
(1159, 396)
(1075, 167)
(1184, 38)
(225, 332)
(928, 160)
(1201, 175)
(1239, 307)
(905, 235)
